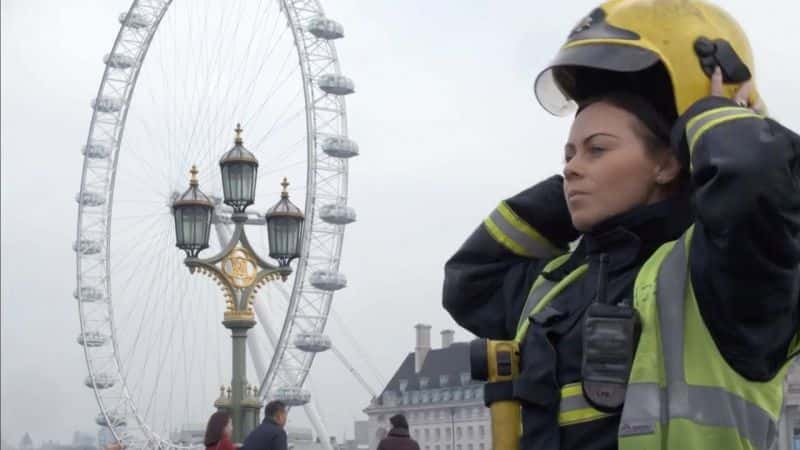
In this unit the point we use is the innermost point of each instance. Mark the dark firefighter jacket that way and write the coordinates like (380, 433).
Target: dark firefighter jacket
(744, 266)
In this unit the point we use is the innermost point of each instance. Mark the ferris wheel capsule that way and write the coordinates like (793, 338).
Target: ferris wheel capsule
(340, 147)
(326, 28)
(90, 198)
(135, 20)
(92, 339)
(113, 420)
(312, 342)
(327, 280)
(119, 61)
(292, 396)
(96, 151)
(336, 84)
(88, 246)
(107, 104)
(337, 214)
(100, 381)
(89, 294)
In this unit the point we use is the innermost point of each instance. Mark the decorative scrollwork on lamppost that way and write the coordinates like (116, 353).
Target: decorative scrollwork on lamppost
(237, 268)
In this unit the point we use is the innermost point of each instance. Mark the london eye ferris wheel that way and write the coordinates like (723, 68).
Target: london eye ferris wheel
(178, 78)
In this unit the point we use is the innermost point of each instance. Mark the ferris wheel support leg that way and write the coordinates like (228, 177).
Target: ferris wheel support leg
(310, 408)
(316, 421)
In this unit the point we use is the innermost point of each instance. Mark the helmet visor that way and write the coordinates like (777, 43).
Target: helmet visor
(560, 86)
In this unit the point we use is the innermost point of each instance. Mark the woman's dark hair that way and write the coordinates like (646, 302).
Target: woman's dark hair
(653, 127)
(399, 421)
(216, 427)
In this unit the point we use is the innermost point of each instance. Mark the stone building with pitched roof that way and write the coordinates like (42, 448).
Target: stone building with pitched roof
(434, 390)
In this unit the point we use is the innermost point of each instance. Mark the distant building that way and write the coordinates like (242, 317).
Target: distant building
(361, 434)
(26, 443)
(434, 389)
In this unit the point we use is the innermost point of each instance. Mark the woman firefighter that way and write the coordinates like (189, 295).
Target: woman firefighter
(672, 322)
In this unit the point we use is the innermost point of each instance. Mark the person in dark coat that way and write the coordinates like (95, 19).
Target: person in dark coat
(270, 435)
(398, 438)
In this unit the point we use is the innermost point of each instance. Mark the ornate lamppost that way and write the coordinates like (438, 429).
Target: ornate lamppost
(237, 268)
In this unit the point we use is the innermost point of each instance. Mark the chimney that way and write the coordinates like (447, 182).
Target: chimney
(423, 345)
(447, 338)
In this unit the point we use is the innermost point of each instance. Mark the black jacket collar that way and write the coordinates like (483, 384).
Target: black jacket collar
(631, 237)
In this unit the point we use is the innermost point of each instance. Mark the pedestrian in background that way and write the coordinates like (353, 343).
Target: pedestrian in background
(219, 431)
(270, 435)
(398, 438)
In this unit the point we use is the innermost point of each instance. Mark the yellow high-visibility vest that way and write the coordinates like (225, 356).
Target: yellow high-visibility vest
(681, 394)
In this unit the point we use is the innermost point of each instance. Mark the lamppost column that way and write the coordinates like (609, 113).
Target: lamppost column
(239, 327)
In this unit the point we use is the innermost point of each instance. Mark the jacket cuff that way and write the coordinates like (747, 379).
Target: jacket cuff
(701, 117)
(509, 230)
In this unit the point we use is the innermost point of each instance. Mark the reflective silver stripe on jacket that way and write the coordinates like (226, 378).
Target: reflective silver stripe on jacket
(534, 297)
(532, 247)
(707, 120)
(646, 404)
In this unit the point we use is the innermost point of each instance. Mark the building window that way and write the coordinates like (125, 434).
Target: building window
(437, 435)
(470, 447)
(482, 431)
(447, 433)
(446, 396)
(447, 447)
(458, 447)
(437, 448)
(465, 377)
(459, 434)
(457, 395)
(470, 432)
(415, 397)
(427, 434)
(426, 396)
(479, 393)
(468, 394)
(436, 396)
(443, 380)
(423, 382)
(481, 446)
(403, 385)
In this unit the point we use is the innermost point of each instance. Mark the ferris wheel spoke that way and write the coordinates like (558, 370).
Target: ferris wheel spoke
(151, 296)
(221, 127)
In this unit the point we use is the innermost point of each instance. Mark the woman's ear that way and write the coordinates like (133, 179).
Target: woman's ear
(667, 170)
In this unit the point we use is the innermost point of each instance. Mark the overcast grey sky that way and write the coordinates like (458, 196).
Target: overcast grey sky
(447, 126)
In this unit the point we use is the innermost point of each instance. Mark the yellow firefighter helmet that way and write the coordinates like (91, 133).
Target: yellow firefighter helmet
(665, 50)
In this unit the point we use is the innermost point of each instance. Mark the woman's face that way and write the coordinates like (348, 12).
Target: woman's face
(228, 431)
(608, 169)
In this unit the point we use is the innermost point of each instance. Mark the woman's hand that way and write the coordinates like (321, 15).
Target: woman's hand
(742, 96)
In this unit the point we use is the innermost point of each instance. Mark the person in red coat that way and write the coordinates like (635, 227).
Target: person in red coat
(218, 432)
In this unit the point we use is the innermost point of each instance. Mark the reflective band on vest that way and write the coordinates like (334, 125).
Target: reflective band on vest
(538, 292)
(709, 119)
(508, 229)
(574, 408)
(538, 298)
(647, 404)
